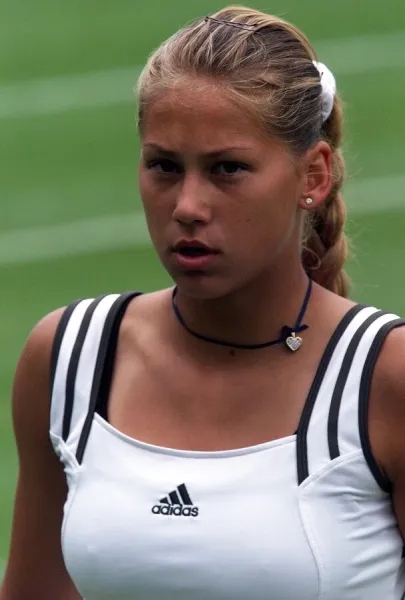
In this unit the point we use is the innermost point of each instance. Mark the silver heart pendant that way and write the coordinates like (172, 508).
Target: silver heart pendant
(294, 343)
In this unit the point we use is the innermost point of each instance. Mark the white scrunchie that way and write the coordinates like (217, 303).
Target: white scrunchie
(328, 83)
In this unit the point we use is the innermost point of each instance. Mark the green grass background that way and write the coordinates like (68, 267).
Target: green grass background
(60, 167)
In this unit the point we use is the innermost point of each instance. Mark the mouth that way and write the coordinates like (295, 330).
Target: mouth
(193, 249)
(193, 252)
(194, 255)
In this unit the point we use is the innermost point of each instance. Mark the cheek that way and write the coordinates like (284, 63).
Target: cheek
(268, 214)
(145, 187)
(155, 202)
(152, 206)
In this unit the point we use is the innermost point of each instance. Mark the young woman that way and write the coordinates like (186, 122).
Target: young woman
(240, 435)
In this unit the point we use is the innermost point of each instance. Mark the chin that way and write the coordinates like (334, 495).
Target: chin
(202, 286)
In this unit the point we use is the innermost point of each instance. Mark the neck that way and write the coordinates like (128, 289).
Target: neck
(250, 315)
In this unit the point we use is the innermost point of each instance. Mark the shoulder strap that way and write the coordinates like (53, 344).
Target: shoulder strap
(338, 424)
(59, 335)
(342, 430)
(78, 356)
(312, 440)
(364, 394)
(343, 421)
(62, 349)
(115, 315)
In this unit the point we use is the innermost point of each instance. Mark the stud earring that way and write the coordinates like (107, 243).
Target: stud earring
(308, 201)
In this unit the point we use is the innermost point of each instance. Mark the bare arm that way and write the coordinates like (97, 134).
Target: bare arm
(387, 418)
(36, 570)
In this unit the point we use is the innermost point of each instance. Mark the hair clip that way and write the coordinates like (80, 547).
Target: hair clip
(232, 23)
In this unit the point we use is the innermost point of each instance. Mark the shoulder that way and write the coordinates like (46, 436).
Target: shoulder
(41, 487)
(32, 381)
(145, 316)
(32, 377)
(37, 351)
(389, 374)
(38, 346)
(390, 364)
(31, 394)
(387, 404)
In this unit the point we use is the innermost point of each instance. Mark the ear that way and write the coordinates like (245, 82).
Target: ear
(317, 175)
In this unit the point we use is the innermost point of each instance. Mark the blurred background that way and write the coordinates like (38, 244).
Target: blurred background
(70, 221)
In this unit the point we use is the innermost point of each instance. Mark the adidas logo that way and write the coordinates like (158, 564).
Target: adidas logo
(178, 504)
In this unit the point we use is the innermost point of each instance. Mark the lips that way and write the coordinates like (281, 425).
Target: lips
(194, 255)
(193, 248)
(193, 251)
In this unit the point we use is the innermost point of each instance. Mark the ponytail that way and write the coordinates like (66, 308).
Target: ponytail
(325, 246)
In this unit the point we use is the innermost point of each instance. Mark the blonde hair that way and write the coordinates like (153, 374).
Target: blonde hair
(265, 64)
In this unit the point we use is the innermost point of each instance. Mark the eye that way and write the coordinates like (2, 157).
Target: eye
(163, 165)
(229, 167)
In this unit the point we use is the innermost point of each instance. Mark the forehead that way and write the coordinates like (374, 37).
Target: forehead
(198, 112)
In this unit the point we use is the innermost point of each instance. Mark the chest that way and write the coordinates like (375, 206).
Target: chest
(172, 402)
(148, 522)
(282, 520)
(187, 528)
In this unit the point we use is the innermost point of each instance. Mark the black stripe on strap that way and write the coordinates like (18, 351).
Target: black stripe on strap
(73, 366)
(117, 311)
(365, 386)
(108, 367)
(302, 431)
(57, 340)
(336, 401)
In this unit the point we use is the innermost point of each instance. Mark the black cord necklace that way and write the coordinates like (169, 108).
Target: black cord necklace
(288, 335)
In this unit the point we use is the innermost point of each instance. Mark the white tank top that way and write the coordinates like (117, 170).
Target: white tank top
(305, 517)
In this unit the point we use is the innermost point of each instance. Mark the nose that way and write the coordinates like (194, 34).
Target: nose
(192, 204)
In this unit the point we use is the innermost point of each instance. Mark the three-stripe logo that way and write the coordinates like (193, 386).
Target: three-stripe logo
(178, 504)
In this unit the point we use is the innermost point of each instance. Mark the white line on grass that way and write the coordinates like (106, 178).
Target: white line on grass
(129, 230)
(346, 56)
(63, 93)
(98, 234)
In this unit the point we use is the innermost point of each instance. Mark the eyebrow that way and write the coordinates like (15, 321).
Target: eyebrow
(213, 154)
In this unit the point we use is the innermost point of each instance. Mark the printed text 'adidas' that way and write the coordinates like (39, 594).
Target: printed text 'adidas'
(178, 504)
